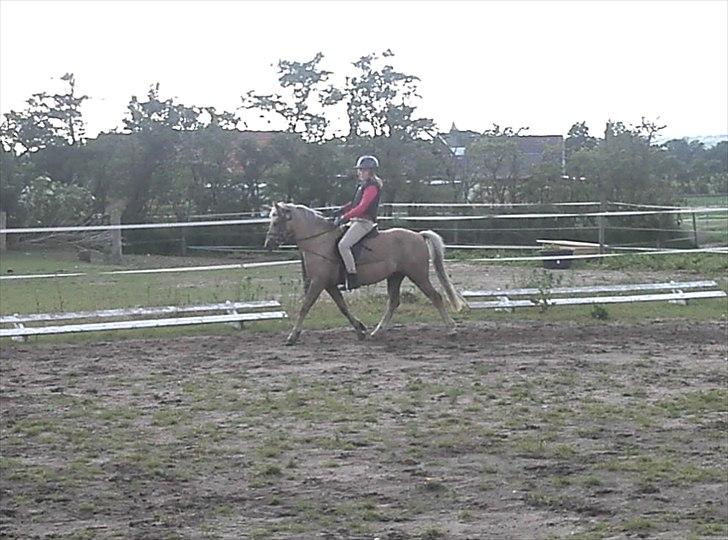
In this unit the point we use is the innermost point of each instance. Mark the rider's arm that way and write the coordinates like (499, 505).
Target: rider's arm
(370, 193)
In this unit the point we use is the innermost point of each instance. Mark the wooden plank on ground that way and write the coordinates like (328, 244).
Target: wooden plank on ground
(141, 311)
(594, 289)
(598, 300)
(569, 243)
(149, 323)
(577, 248)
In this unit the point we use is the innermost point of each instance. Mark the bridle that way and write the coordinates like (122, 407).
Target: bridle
(281, 237)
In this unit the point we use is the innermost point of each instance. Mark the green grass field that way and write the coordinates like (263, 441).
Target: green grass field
(712, 228)
(707, 200)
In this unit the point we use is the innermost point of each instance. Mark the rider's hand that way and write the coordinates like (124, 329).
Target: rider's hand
(338, 220)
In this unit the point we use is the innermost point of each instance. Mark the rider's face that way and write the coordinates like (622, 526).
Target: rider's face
(363, 174)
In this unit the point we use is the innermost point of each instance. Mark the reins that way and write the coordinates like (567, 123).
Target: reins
(297, 240)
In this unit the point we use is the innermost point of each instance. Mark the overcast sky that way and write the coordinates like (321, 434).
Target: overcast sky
(543, 64)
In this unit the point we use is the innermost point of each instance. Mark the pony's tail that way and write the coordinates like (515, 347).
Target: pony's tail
(437, 249)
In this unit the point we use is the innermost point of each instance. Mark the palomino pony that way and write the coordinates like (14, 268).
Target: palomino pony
(392, 255)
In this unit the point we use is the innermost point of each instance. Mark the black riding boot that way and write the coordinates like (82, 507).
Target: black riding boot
(351, 282)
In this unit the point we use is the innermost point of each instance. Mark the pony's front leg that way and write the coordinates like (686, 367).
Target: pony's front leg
(312, 293)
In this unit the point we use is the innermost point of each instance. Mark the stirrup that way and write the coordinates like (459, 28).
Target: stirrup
(351, 282)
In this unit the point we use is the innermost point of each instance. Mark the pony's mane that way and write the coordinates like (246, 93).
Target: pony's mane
(308, 214)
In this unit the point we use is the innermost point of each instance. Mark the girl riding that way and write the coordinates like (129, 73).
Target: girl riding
(361, 212)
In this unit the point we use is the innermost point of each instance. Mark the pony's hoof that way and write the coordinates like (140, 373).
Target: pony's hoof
(291, 340)
(453, 332)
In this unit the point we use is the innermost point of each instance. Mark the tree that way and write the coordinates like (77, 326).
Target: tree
(303, 85)
(379, 101)
(67, 112)
(494, 162)
(47, 202)
(545, 182)
(711, 170)
(155, 126)
(304, 172)
(693, 168)
(380, 104)
(626, 166)
(380, 111)
(15, 174)
(48, 120)
(579, 138)
(41, 140)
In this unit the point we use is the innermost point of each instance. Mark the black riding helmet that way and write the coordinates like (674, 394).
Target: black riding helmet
(367, 162)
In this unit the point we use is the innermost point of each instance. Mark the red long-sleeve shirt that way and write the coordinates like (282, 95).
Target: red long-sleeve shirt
(370, 193)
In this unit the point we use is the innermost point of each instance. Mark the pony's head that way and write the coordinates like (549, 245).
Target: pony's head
(279, 229)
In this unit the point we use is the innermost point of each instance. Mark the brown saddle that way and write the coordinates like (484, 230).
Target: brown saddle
(359, 247)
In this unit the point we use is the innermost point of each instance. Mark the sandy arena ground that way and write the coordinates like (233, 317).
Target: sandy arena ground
(516, 429)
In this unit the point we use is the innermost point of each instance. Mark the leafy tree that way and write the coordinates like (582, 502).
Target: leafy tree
(711, 171)
(155, 126)
(48, 120)
(545, 183)
(66, 111)
(15, 174)
(696, 169)
(627, 166)
(223, 170)
(304, 172)
(579, 138)
(303, 87)
(495, 163)
(379, 101)
(47, 202)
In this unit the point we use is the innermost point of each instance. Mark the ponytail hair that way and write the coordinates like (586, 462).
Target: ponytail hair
(378, 180)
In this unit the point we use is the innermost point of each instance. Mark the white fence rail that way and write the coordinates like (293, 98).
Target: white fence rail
(267, 264)
(230, 315)
(258, 221)
(671, 286)
(544, 297)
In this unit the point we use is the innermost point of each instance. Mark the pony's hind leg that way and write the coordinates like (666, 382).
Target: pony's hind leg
(435, 297)
(393, 283)
(335, 294)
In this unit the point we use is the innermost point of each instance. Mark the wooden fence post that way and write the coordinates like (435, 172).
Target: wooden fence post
(3, 225)
(695, 232)
(600, 222)
(116, 237)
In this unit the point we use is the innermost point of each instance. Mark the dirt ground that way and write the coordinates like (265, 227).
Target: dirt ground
(523, 430)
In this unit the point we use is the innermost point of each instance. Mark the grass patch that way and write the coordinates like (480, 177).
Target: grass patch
(692, 403)
(638, 525)
(650, 471)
